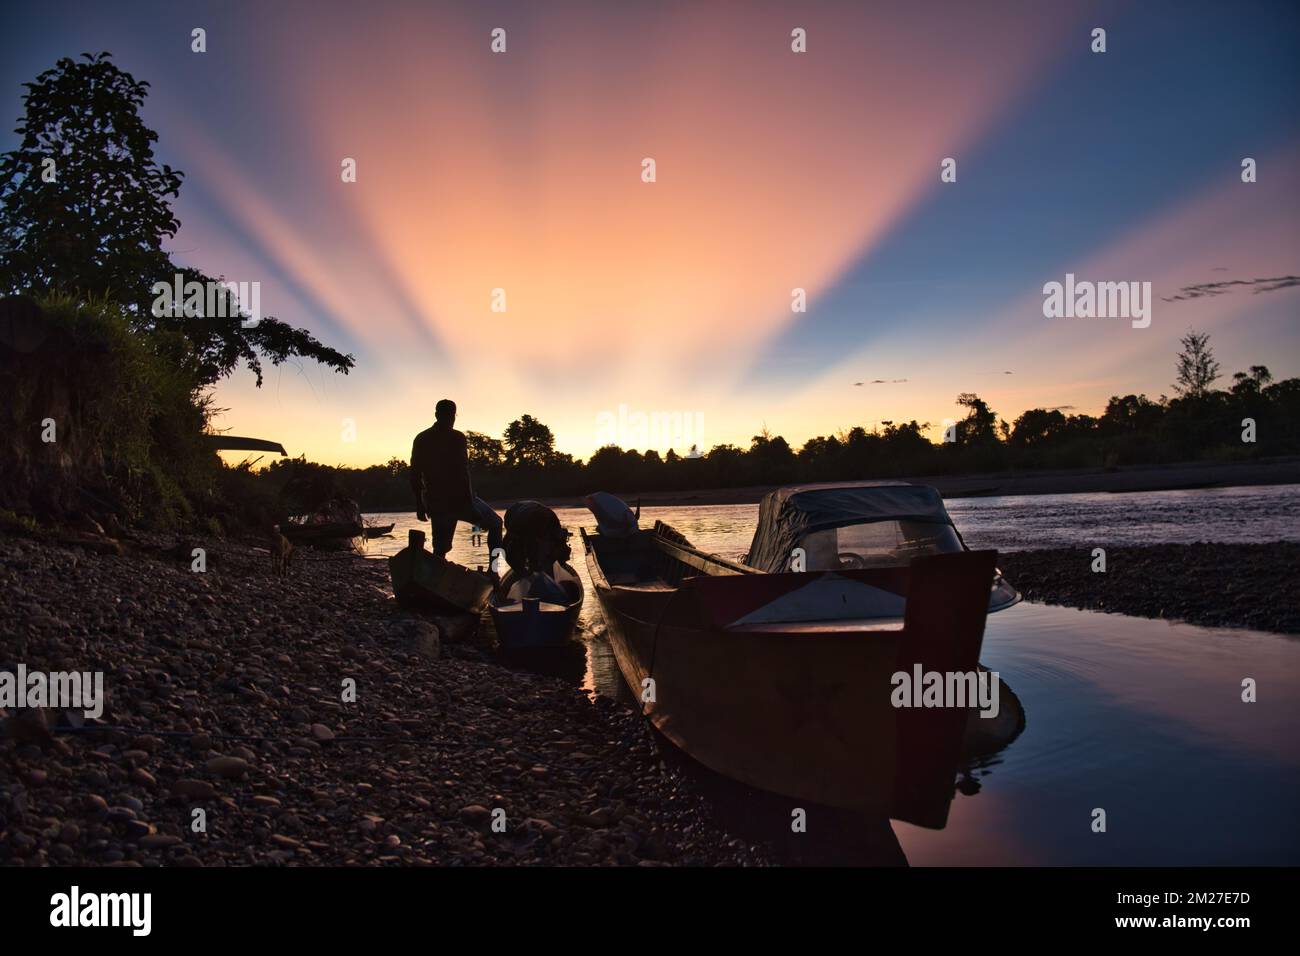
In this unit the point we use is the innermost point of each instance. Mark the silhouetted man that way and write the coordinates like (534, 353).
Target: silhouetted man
(440, 479)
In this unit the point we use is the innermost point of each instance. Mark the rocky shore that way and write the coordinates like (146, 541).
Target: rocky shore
(1217, 585)
(226, 705)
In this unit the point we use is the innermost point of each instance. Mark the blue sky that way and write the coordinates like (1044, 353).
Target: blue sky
(776, 170)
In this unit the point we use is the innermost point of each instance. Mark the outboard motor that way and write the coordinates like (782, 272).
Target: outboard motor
(614, 519)
(535, 540)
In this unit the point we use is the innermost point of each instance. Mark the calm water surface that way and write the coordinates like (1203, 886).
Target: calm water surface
(1141, 718)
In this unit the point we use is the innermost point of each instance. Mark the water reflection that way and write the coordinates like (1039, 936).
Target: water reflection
(1145, 720)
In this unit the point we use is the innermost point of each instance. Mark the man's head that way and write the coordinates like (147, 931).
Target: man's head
(444, 413)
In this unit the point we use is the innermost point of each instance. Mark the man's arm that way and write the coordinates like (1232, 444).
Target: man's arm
(464, 457)
(417, 480)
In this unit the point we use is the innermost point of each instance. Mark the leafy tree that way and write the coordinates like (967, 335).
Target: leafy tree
(771, 458)
(1248, 386)
(529, 442)
(85, 207)
(724, 463)
(980, 424)
(1130, 413)
(1077, 425)
(1197, 368)
(484, 450)
(1037, 426)
(820, 457)
(611, 467)
(905, 433)
(815, 449)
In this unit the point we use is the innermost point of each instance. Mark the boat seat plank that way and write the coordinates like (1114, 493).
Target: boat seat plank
(646, 586)
(699, 560)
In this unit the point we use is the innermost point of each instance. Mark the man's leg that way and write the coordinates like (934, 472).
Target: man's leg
(444, 530)
(490, 521)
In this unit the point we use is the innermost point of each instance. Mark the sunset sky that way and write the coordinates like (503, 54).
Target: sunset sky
(775, 170)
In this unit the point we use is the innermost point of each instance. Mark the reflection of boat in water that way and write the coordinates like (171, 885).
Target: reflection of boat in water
(422, 579)
(537, 610)
(782, 679)
(987, 736)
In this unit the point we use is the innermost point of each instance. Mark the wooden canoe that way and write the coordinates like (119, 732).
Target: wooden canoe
(424, 580)
(797, 707)
(326, 534)
(378, 530)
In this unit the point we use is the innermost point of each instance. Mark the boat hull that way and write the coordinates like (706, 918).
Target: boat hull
(798, 708)
(421, 580)
(520, 627)
(806, 728)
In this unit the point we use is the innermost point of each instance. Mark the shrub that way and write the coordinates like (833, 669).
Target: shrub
(127, 419)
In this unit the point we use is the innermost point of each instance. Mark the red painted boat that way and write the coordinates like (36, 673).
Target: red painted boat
(783, 679)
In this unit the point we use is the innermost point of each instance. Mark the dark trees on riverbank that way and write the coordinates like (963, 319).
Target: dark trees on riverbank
(103, 392)
(1133, 430)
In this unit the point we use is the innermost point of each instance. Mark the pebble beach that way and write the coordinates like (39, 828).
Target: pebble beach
(225, 695)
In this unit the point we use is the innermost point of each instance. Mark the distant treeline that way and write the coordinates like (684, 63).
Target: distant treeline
(1197, 424)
